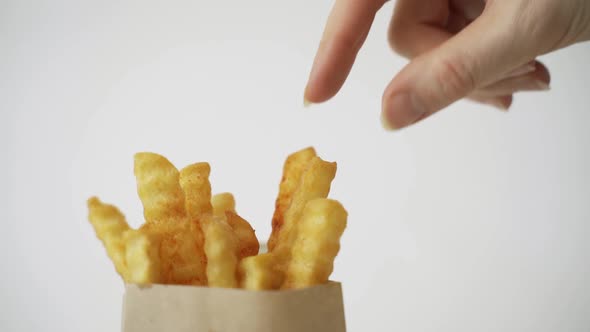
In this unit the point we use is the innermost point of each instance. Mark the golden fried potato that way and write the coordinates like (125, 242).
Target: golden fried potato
(158, 188)
(224, 205)
(293, 170)
(182, 257)
(221, 250)
(317, 243)
(194, 181)
(260, 273)
(315, 183)
(248, 244)
(110, 227)
(223, 202)
(192, 238)
(142, 257)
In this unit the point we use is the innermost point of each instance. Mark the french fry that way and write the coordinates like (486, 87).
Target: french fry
(192, 238)
(158, 188)
(315, 183)
(260, 273)
(182, 257)
(317, 244)
(293, 169)
(221, 250)
(194, 181)
(198, 252)
(247, 242)
(223, 202)
(110, 227)
(225, 205)
(142, 257)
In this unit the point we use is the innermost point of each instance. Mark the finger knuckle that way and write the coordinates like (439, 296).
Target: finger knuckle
(395, 38)
(455, 78)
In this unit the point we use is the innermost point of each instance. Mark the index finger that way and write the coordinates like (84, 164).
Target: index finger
(346, 30)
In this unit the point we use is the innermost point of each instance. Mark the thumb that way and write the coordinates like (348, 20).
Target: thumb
(479, 55)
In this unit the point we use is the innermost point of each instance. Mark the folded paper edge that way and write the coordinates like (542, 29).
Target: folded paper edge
(235, 290)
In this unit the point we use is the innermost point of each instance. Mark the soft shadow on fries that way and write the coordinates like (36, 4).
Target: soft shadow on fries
(193, 238)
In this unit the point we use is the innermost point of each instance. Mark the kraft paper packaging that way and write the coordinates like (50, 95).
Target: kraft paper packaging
(174, 308)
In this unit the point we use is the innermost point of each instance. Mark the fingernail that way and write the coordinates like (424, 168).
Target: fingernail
(306, 101)
(525, 69)
(500, 105)
(542, 85)
(385, 123)
(401, 111)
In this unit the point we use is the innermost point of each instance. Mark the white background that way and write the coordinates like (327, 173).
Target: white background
(475, 220)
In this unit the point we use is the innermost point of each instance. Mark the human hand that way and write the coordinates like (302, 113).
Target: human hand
(476, 49)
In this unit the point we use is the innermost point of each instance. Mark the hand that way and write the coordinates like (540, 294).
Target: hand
(473, 49)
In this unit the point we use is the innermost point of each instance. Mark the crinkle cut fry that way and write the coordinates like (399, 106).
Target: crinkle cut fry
(248, 244)
(194, 181)
(110, 227)
(315, 183)
(317, 244)
(142, 257)
(224, 205)
(192, 238)
(260, 273)
(181, 252)
(223, 202)
(158, 188)
(293, 169)
(221, 249)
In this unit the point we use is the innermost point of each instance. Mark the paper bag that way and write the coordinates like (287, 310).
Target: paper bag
(174, 308)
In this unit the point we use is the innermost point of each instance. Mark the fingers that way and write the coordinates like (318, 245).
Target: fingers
(345, 32)
(470, 9)
(419, 26)
(500, 93)
(537, 80)
(484, 52)
(524, 69)
(533, 76)
(501, 102)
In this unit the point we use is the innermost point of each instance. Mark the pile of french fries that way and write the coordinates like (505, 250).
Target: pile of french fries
(193, 238)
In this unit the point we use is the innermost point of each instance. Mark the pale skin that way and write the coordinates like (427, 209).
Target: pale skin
(481, 50)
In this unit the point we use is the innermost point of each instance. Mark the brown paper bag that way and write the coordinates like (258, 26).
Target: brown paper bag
(200, 309)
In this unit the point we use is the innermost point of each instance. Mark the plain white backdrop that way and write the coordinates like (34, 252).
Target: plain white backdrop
(474, 220)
